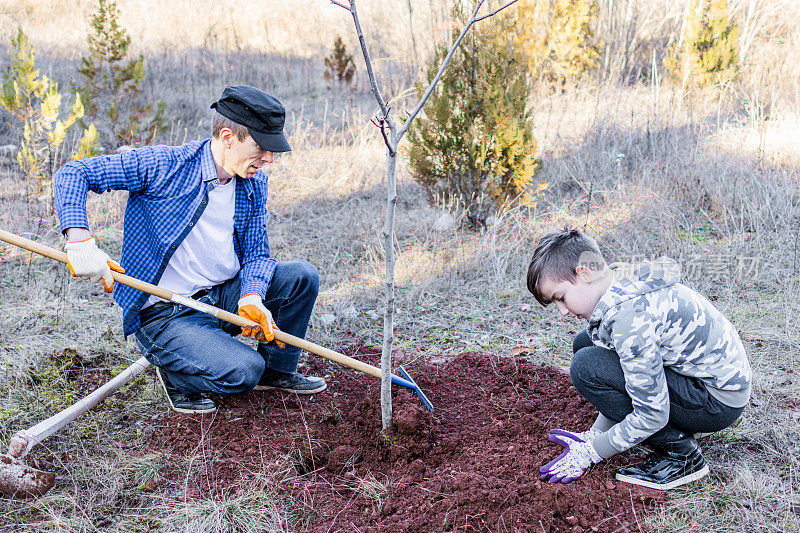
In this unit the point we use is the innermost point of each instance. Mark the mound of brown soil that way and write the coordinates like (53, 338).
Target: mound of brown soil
(471, 465)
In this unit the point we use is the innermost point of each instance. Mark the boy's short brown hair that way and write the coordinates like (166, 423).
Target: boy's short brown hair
(557, 256)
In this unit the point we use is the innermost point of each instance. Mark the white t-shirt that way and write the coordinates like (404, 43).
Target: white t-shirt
(206, 256)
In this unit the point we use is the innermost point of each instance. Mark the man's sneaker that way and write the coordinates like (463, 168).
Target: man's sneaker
(290, 382)
(184, 403)
(670, 466)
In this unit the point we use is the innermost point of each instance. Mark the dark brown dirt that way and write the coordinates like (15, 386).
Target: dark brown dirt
(470, 466)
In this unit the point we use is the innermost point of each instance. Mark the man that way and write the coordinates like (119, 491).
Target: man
(196, 224)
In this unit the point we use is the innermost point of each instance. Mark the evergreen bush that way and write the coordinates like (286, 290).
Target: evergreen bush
(556, 37)
(34, 102)
(707, 52)
(474, 143)
(112, 87)
(339, 65)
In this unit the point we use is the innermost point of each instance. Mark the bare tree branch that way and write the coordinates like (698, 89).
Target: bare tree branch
(380, 123)
(439, 74)
(370, 70)
(334, 2)
(392, 153)
(472, 20)
(495, 12)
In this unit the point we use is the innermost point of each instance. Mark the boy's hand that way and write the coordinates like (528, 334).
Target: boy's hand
(251, 307)
(86, 260)
(585, 436)
(577, 456)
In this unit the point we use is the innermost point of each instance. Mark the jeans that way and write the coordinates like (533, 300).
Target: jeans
(199, 352)
(597, 374)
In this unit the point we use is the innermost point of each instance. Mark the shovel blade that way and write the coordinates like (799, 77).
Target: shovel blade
(19, 480)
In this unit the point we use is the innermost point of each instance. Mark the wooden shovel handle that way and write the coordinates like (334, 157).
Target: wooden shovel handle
(149, 288)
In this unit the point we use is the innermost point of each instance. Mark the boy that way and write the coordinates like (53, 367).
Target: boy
(657, 360)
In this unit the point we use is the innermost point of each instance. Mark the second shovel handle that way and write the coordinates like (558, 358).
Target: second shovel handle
(24, 440)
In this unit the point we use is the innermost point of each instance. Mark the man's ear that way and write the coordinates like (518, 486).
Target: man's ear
(225, 134)
(584, 273)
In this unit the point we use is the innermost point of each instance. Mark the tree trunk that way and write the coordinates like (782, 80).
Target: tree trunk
(388, 248)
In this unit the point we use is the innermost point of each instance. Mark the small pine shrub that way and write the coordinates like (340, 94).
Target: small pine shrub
(89, 144)
(112, 87)
(474, 144)
(707, 52)
(339, 65)
(556, 37)
(34, 101)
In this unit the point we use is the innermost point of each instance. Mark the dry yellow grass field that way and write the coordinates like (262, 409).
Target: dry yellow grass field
(644, 166)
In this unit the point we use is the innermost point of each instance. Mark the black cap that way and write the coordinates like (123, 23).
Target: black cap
(262, 114)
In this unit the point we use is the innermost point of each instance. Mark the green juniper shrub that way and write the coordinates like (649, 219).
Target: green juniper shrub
(112, 87)
(707, 52)
(339, 65)
(34, 102)
(474, 144)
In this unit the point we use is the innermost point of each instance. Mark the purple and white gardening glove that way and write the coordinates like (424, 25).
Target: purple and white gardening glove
(578, 455)
(585, 436)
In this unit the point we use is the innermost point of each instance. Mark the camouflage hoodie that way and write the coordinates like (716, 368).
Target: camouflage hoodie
(652, 321)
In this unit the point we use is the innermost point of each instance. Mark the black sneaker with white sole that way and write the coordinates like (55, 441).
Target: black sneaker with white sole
(182, 402)
(670, 466)
(290, 382)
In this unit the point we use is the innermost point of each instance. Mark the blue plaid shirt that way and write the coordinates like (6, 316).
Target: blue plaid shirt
(168, 191)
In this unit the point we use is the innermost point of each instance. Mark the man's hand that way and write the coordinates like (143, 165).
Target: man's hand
(577, 456)
(252, 308)
(86, 260)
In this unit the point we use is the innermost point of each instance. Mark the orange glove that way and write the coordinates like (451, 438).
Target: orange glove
(86, 260)
(252, 308)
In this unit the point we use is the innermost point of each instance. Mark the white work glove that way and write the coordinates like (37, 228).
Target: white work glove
(578, 455)
(252, 308)
(86, 260)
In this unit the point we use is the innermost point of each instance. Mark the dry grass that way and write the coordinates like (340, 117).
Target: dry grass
(646, 168)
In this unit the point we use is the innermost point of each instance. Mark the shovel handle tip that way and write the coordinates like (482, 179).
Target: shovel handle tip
(18, 446)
